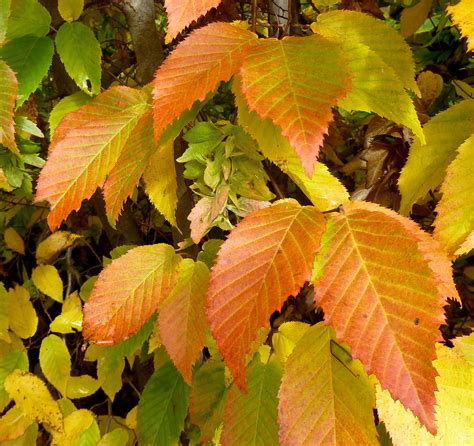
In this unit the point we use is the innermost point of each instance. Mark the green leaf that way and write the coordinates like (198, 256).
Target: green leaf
(162, 408)
(8, 363)
(5, 6)
(70, 9)
(65, 106)
(30, 57)
(27, 17)
(335, 397)
(81, 55)
(251, 418)
(426, 164)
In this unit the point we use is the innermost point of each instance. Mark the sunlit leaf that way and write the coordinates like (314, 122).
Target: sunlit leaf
(10, 362)
(80, 428)
(287, 336)
(463, 16)
(47, 279)
(70, 9)
(8, 90)
(70, 319)
(5, 11)
(22, 315)
(27, 17)
(55, 362)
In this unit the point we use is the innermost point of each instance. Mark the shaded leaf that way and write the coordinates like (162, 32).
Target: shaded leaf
(248, 285)
(27, 17)
(10, 362)
(13, 424)
(8, 90)
(162, 408)
(182, 317)
(22, 315)
(4, 316)
(55, 362)
(117, 437)
(70, 9)
(426, 164)
(48, 250)
(208, 56)
(128, 292)
(92, 138)
(412, 18)
(14, 241)
(376, 287)
(287, 336)
(314, 73)
(47, 279)
(325, 397)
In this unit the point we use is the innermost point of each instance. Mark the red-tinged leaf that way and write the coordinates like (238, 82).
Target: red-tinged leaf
(8, 89)
(208, 56)
(182, 317)
(295, 82)
(133, 159)
(206, 404)
(250, 418)
(378, 290)
(128, 292)
(86, 146)
(181, 14)
(325, 397)
(266, 258)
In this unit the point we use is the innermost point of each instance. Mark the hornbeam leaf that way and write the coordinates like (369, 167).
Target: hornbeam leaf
(208, 56)
(8, 89)
(132, 161)
(182, 14)
(266, 258)
(426, 164)
(182, 317)
(466, 246)
(250, 418)
(27, 17)
(376, 284)
(87, 144)
(380, 38)
(325, 397)
(323, 189)
(455, 211)
(55, 362)
(295, 82)
(162, 408)
(4, 15)
(128, 292)
(463, 17)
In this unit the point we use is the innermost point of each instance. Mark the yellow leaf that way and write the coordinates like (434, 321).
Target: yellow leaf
(46, 278)
(466, 246)
(14, 241)
(70, 319)
(4, 184)
(70, 9)
(13, 424)
(79, 426)
(4, 320)
(33, 398)
(463, 17)
(81, 386)
(48, 250)
(22, 315)
(160, 181)
(412, 18)
(286, 338)
(131, 419)
(8, 363)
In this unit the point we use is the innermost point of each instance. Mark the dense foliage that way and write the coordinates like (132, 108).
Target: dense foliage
(237, 223)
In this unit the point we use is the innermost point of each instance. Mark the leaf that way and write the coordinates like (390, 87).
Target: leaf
(5, 6)
(162, 408)
(64, 106)
(118, 437)
(9, 362)
(13, 424)
(48, 250)
(133, 159)
(250, 418)
(4, 319)
(182, 317)
(466, 246)
(33, 398)
(287, 336)
(70, 9)
(313, 71)
(14, 241)
(47, 279)
(379, 37)
(160, 181)
(455, 211)
(463, 18)
(8, 89)
(206, 57)
(55, 362)
(412, 18)
(206, 403)
(80, 429)
(27, 17)
(182, 14)
(70, 319)
(22, 315)
(266, 258)
(91, 140)
(335, 398)
(30, 58)
(426, 164)
(81, 55)
(81, 387)
(323, 189)
(128, 292)
(377, 286)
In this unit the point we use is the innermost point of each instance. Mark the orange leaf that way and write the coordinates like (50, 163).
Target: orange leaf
(182, 13)
(8, 89)
(266, 258)
(86, 145)
(128, 292)
(295, 82)
(182, 317)
(208, 56)
(379, 291)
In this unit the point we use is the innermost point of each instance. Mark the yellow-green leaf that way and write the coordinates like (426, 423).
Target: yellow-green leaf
(55, 362)
(8, 363)
(14, 241)
(287, 336)
(47, 279)
(70, 319)
(48, 250)
(118, 437)
(13, 424)
(22, 315)
(33, 398)
(427, 163)
(81, 386)
(70, 9)
(455, 211)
